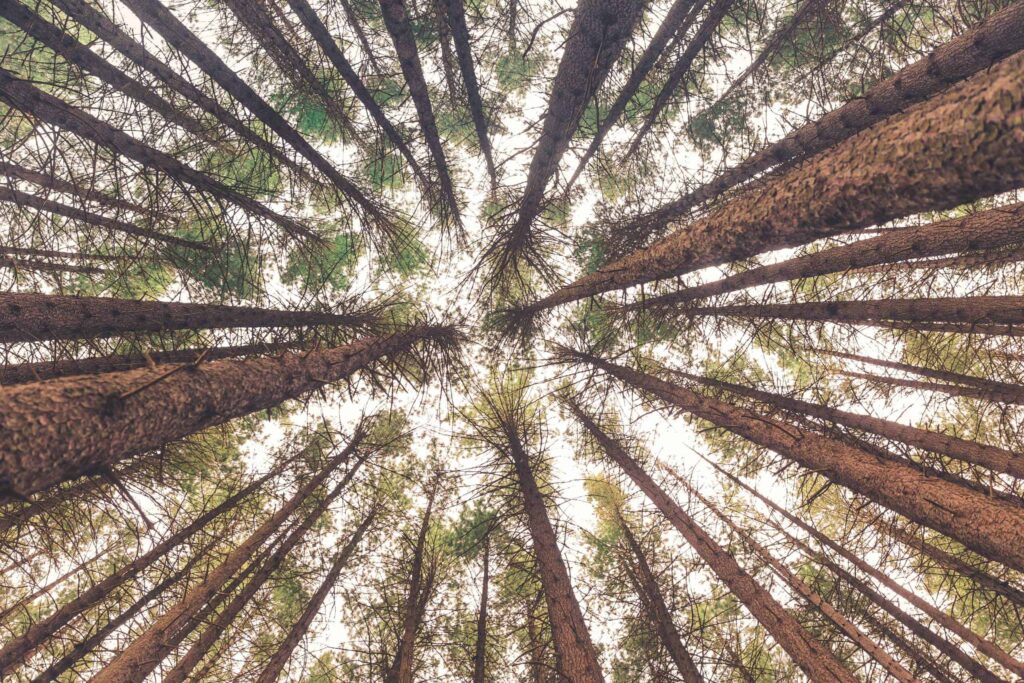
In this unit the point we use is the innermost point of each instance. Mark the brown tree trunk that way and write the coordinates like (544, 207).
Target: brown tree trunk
(17, 264)
(37, 372)
(53, 181)
(144, 654)
(810, 655)
(480, 655)
(984, 230)
(922, 661)
(49, 253)
(990, 527)
(33, 317)
(954, 390)
(356, 24)
(272, 671)
(574, 651)
(992, 457)
(928, 158)
(47, 108)
(25, 603)
(657, 609)
(118, 414)
(397, 23)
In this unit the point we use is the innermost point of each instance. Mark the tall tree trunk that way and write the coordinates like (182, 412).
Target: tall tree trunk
(37, 372)
(356, 24)
(25, 603)
(272, 671)
(575, 653)
(17, 264)
(807, 653)
(144, 654)
(50, 253)
(397, 23)
(992, 457)
(54, 181)
(657, 609)
(984, 230)
(990, 527)
(455, 12)
(953, 390)
(922, 661)
(47, 108)
(23, 199)
(33, 317)
(480, 655)
(879, 175)
(118, 414)
(19, 649)
(672, 29)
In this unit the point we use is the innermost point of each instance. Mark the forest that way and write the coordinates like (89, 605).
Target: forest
(512, 341)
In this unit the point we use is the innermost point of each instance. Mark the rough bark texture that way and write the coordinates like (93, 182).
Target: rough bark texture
(985, 230)
(29, 99)
(576, 658)
(480, 653)
(118, 414)
(50, 253)
(657, 609)
(954, 390)
(52, 180)
(928, 158)
(991, 527)
(810, 655)
(992, 457)
(37, 372)
(34, 317)
(17, 264)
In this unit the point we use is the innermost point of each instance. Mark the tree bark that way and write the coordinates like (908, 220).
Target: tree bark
(480, 655)
(26, 317)
(47, 108)
(37, 372)
(990, 527)
(574, 651)
(807, 653)
(118, 414)
(16, 264)
(26, 601)
(985, 230)
(922, 661)
(53, 181)
(928, 158)
(953, 390)
(49, 253)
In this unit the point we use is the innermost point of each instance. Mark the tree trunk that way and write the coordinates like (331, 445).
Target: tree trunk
(356, 25)
(990, 527)
(37, 372)
(810, 655)
(26, 602)
(929, 158)
(26, 317)
(480, 656)
(47, 108)
(455, 12)
(272, 671)
(19, 649)
(953, 390)
(575, 653)
(992, 457)
(53, 181)
(397, 24)
(23, 199)
(144, 654)
(49, 253)
(118, 414)
(922, 660)
(984, 230)
(658, 611)
(16, 264)
(673, 28)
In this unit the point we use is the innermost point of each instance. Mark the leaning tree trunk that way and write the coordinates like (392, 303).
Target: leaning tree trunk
(930, 157)
(47, 108)
(985, 230)
(992, 457)
(53, 181)
(988, 526)
(575, 653)
(37, 372)
(922, 661)
(118, 414)
(24, 603)
(50, 253)
(34, 317)
(813, 658)
(144, 654)
(658, 611)
(396, 21)
(480, 654)
(17, 264)
(954, 390)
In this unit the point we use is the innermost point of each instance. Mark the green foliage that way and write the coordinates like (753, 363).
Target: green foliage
(332, 267)
(386, 172)
(514, 72)
(310, 115)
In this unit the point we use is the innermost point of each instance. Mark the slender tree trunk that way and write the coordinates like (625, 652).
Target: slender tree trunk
(657, 609)
(37, 372)
(118, 414)
(45, 267)
(984, 230)
(922, 661)
(480, 656)
(990, 527)
(810, 655)
(144, 654)
(992, 457)
(49, 253)
(575, 653)
(47, 108)
(272, 671)
(26, 602)
(397, 23)
(356, 24)
(962, 262)
(953, 390)
(33, 317)
(673, 28)
(23, 199)
(930, 157)
(448, 60)
(53, 181)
